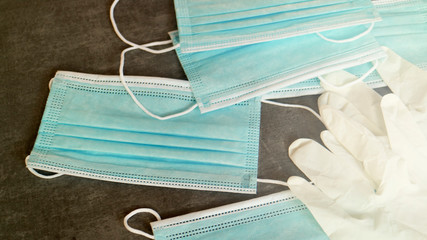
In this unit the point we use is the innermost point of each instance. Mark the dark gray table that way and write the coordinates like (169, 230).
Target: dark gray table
(40, 37)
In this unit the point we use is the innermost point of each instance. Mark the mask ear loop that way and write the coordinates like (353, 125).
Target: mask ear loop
(138, 103)
(34, 172)
(349, 39)
(363, 77)
(326, 83)
(283, 183)
(293, 106)
(271, 181)
(133, 213)
(144, 47)
(275, 182)
(278, 182)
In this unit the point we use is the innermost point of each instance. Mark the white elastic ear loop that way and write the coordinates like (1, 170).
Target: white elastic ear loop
(363, 77)
(133, 213)
(275, 182)
(143, 47)
(34, 172)
(122, 79)
(271, 181)
(278, 182)
(326, 83)
(293, 106)
(349, 39)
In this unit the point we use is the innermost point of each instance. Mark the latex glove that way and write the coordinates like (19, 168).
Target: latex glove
(370, 184)
(362, 103)
(362, 189)
(408, 82)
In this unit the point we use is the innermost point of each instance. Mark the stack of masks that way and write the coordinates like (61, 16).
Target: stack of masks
(203, 133)
(403, 29)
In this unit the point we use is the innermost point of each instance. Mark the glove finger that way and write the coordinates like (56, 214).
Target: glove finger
(328, 214)
(358, 141)
(405, 80)
(339, 179)
(363, 98)
(405, 137)
(370, 120)
(335, 147)
(412, 217)
(337, 80)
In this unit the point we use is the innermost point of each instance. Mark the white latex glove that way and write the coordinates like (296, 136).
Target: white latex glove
(361, 103)
(371, 183)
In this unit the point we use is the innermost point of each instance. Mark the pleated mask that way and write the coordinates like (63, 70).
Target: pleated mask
(275, 216)
(208, 25)
(403, 29)
(91, 128)
(220, 78)
(226, 76)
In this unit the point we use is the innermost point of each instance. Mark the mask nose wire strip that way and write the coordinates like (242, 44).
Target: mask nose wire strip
(133, 213)
(138, 103)
(293, 106)
(38, 174)
(349, 39)
(144, 47)
(363, 77)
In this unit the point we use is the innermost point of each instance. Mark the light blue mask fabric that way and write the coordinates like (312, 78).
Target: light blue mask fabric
(91, 128)
(213, 24)
(276, 216)
(403, 29)
(220, 78)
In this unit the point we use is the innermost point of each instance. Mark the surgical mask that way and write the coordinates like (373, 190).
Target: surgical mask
(91, 128)
(221, 78)
(403, 29)
(211, 25)
(276, 216)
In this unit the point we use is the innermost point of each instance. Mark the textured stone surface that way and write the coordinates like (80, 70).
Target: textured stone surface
(39, 37)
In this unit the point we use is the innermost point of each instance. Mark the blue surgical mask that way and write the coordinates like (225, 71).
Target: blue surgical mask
(214, 24)
(91, 128)
(276, 216)
(226, 76)
(220, 78)
(403, 29)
